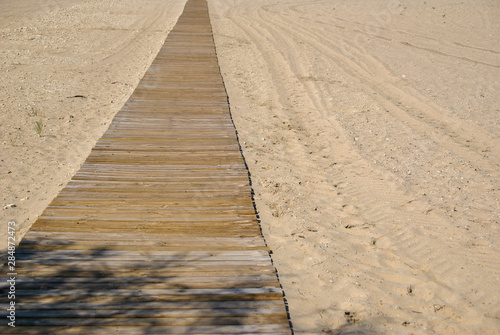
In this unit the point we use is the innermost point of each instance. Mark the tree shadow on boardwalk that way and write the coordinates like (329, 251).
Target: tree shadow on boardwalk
(104, 291)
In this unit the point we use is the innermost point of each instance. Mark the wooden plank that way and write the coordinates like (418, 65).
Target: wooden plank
(267, 279)
(275, 329)
(149, 313)
(271, 304)
(157, 213)
(161, 285)
(158, 321)
(149, 292)
(144, 272)
(143, 225)
(163, 298)
(49, 237)
(143, 255)
(223, 280)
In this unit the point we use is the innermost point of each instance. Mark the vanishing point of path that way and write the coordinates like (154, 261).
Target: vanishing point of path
(157, 232)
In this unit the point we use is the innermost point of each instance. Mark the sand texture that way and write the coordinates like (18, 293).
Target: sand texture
(370, 129)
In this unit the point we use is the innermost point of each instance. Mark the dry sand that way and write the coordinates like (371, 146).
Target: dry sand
(370, 128)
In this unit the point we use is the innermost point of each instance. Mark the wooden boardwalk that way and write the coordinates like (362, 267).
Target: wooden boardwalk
(157, 232)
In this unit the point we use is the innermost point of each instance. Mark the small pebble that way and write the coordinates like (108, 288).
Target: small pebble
(9, 206)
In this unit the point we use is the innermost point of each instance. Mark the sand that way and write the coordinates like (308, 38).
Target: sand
(370, 129)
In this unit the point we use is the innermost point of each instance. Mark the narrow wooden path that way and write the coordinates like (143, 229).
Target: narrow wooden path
(157, 232)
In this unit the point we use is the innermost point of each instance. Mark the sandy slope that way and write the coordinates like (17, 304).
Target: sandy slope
(371, 132)
(370, 129)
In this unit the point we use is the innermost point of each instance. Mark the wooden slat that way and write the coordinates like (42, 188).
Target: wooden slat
(131, 320)
(145, 255)
(275, 329)
(275, 304)
(157, 232)
(164, 298)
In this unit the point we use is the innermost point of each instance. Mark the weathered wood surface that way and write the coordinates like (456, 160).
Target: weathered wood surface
(156, 233)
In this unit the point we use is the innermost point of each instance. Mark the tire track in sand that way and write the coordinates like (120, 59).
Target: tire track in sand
(391, 245)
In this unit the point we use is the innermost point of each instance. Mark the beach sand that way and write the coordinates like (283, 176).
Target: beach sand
(370, 129)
